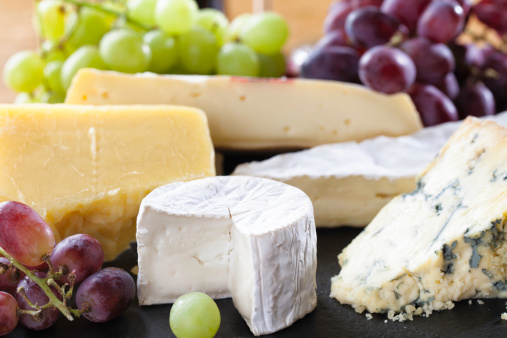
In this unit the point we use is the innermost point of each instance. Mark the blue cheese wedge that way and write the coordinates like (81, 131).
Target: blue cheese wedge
(250, 238)
(443, 242)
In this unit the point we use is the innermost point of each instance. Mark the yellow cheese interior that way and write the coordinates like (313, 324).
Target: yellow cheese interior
(86, 169)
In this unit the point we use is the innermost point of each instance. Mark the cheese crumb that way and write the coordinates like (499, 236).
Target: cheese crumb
(480, 302)
(385, 321)
(369, 316)
(504, 316)
(470, 302)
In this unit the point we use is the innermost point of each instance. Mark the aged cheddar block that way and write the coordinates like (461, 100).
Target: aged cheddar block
(443, 242)
(248, 113)
(86, 169)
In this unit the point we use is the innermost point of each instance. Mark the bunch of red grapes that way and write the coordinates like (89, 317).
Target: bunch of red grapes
(29, 243)
(410, 46)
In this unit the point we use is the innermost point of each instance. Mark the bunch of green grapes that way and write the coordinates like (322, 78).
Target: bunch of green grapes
(133, 36)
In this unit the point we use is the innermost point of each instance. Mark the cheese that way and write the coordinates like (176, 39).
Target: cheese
(86, 169)
(350, 182)
(443, 242)
(248, 113)
(249, 238)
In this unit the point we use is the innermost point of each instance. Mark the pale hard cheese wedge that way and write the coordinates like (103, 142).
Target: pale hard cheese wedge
(249, 238)
(443, 242)
(248, 113)
(350, 182)
(86, 169)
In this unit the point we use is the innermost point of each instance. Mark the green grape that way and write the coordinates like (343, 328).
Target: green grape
(52, 73)
(178, 69)
(142, 11)
(198, 51)
(123, 23)
(51, 14)
(214, 21)
(194, 315)
(23, 72)
(84, 57)
(85, 28)
(265, 33)
(51, 51)
(271, 65)
(237, 59)
(124, 51)
(24, 98)
(175, 17)
(52, 97)
(164, 52)
(235, 27)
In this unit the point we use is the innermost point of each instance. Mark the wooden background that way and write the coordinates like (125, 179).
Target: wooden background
(16, 29)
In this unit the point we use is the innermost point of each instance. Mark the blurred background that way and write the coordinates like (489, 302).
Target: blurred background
(304, 17)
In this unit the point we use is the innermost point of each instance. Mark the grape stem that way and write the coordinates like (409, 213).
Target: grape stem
(41, 282)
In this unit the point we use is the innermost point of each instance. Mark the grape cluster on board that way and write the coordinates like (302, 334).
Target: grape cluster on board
(37, 278)
(160, 36)
(411, 46)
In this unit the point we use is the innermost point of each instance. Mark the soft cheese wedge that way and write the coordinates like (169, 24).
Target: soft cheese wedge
(86, 169)
(350, 182)
(248, 113)
(249, 238)
(443, 242)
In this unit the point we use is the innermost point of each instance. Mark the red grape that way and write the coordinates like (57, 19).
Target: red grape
(493, 13)
(433, 106)
(476, 100)
(334, 38)
(433, 61)
(107, 294)
(406, 11)
(24, 234)
(37, 296)
(387, 70)
(8, 313)
(10, 279)
(335, 19)
(449, 86)
(495, 68)
(369, 27)
(332, 63)
(441, 21)
(366, 3)
(80, 253)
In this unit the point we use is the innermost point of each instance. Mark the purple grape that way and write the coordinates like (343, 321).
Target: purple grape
(441, 21)
(8, 313)
(493, 13)
(449, 86)
(495, 75)
(433, 106)
(475, 100)
(368, 27)
(332, 63)
(333, 38)
(406, 11)
(10, 279)
(387, 70)
(37, 296)
(366, 3)
(335, 19)
(106, 294)
(433, 61)
(80, 253)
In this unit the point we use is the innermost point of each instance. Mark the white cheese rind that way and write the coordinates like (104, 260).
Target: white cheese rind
(250, 113)
(443, 242)
(248, 237)
(350, 182)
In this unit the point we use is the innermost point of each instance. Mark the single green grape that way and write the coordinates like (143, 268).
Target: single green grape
(237, 59)
(194, 315)
(123, 50)
(52, 14)
(52, 73)
(23, 72)
(85, 28)
(52, 97)
(164, 52)
(175, 17)
(198, 51)
(51, 51)
(235, 27)
(265, 33)
(84, 57)
(214, 21)
(271, 65)
(24, 98)
(142, 11)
